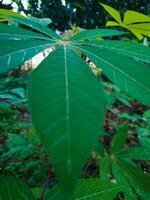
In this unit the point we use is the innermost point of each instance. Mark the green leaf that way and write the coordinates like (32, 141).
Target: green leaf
(113, 12)
(88, 189)
(105, 164)
(129, 75)
(143, 131)
(136, 153)
(145, 142)
(19, 52)
(95, 33)
(14, 32)
(118, 174)
(28, 22)
(119, 139)
(13, 189)
(146, 114)
(136, 177)
(129, 49)
(135, 17)
(133, 21)
(69, 102)
(41, 21)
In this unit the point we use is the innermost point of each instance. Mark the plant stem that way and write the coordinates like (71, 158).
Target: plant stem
(46, 183)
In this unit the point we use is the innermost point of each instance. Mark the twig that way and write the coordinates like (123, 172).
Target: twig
(46, 183)
(23, 161)
(13, 104)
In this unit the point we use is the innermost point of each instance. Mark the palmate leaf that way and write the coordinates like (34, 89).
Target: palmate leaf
(125, 72)
(118, 162)
(13, 32)
(16, 52)
(14, 189)
(67, 111)
(133, 21)
(88, 189)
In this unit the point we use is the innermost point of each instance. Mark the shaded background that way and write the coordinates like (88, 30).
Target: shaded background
(82, 13)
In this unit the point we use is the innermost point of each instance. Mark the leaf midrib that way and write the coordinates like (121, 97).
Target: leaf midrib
(113, 48)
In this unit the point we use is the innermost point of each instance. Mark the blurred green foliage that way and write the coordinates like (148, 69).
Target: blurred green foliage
(82, 13)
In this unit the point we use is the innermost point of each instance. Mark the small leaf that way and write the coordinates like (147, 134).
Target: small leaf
(113, 12)
(136, 153)
(119, 139)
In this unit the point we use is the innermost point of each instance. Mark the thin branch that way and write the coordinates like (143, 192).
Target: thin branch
(46, 183)
(23, 161)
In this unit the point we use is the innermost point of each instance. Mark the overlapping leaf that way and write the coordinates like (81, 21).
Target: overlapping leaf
(14, 189)
(28, 22)
(134, 180)
(124, 71)
(88, 189)
(137, 51)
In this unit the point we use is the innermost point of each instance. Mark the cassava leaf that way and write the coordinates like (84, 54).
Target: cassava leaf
(131, 17)
(95, 33)
(125, 72)
(133, 21)
(68, 96)
(119, 139)
(139, 181)
(28, 22)
(15, 52)
(13, 32)
(13, 189)
(113, 12)
(136, 153)
(130, 49)
(88, 189)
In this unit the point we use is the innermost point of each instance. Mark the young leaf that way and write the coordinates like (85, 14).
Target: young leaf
(118, 174)
(133, 21)
(67, 110)
(136, 153)
(113, 12)
(119, 139)
(136, 177)
(13, 189)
